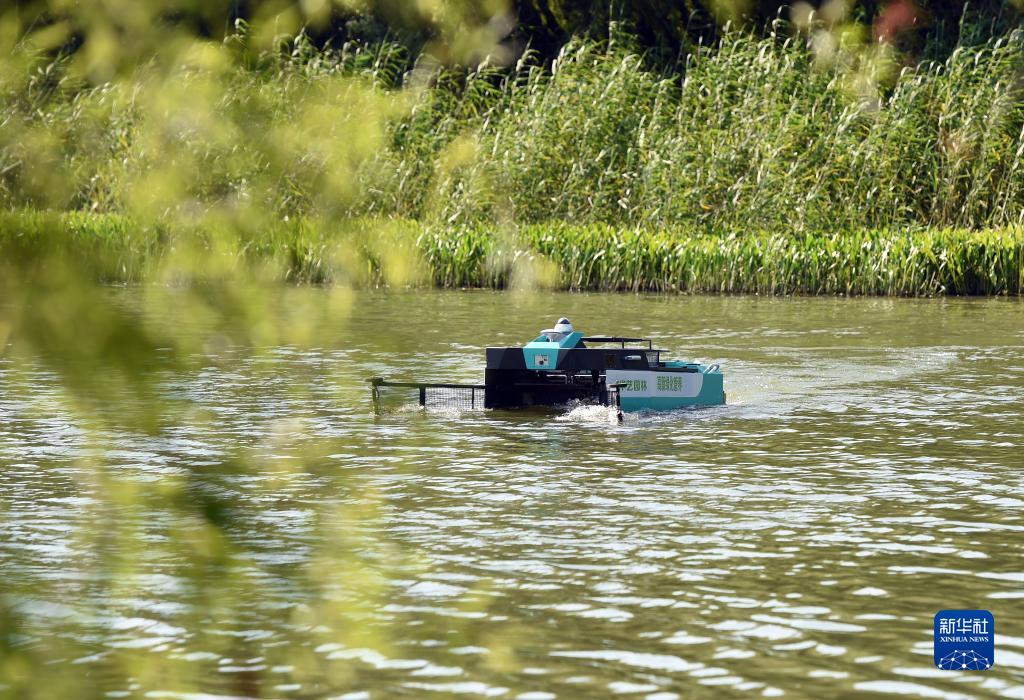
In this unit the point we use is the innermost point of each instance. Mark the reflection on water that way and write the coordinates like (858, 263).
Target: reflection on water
(797, 542)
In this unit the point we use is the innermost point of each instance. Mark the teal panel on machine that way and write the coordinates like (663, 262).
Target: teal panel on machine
(711, 394)
(542, 353)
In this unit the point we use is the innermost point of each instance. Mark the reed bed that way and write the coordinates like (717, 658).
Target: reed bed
(755, 165)
(925, 262)
(371, 252)
(755, 133)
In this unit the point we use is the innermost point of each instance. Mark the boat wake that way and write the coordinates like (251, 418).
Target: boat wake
(589, 413)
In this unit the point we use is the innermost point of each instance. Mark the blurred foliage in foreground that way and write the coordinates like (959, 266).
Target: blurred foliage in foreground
(202, 145)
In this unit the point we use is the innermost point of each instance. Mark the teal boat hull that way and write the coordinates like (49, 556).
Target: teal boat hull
(653, 390)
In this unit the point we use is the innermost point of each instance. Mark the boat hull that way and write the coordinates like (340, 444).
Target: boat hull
(664, 391)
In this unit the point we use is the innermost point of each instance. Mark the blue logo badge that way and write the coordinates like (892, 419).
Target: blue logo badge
(965, 640)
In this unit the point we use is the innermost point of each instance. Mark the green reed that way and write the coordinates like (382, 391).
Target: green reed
(755, 134)
(372, 252)
(929, 262)
(753, 150)
(751, 134)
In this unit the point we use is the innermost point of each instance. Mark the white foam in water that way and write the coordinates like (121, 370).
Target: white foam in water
(589, 413)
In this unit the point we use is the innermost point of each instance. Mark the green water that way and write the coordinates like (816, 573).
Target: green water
(276, 539)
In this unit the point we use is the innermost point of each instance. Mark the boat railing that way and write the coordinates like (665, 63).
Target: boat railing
(602, 339)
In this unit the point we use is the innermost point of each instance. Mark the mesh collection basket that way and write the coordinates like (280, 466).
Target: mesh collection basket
(394, 395)
(452, 397)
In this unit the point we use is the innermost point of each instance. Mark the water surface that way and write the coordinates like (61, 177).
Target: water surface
(279, 540)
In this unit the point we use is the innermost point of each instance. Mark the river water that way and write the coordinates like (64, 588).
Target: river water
(275, 538)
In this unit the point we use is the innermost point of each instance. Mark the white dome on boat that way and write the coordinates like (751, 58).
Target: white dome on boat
(562, 328)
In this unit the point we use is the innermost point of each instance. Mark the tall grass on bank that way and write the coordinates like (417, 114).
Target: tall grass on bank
(759, 166)
(577, 257)
(925, 262)
(750, 134)
(753, 134)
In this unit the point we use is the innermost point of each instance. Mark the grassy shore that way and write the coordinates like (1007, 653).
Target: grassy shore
(368, 252)
(762, 164)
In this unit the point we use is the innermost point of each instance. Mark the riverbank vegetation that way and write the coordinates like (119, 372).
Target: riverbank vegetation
(363, 252)
(753, 134)
(741, 169)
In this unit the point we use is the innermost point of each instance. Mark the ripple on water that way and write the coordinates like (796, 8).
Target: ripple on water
(797, 541)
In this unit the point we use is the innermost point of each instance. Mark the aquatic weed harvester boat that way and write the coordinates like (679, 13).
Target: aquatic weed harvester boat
(561, 366)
